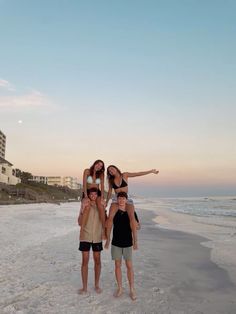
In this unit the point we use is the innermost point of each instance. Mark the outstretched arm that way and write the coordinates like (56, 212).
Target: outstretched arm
(138, 174)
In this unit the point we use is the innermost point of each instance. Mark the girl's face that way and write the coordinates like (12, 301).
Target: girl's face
(112, 171)
(98, 166)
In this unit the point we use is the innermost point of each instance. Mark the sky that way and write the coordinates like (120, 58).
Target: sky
(138, 84)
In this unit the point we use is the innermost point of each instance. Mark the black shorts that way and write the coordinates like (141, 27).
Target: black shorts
(85, 246)
(99, 193)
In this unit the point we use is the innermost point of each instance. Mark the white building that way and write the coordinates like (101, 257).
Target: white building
(2, 144)
(40, 179)
(70, 182)
(7, 173)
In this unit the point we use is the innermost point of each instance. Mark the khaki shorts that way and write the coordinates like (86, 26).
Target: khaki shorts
(117, 252)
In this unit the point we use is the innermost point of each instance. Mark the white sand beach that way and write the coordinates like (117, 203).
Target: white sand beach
(40, 267)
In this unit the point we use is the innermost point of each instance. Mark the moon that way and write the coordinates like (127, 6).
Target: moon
(20, 121)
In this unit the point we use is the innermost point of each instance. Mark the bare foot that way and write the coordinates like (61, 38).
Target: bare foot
(118, 292)
(82, 291)
(98, 289)
(133, 295)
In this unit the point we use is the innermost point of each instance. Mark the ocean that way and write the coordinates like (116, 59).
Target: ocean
(198, 206)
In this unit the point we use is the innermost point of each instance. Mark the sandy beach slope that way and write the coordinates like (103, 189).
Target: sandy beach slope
(40, 268)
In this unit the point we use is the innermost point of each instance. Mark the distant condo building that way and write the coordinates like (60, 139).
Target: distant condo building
(40, 179)
(2, 144)
(70, 182)
(7, 173)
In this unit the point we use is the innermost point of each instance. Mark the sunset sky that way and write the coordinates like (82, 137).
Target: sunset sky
(139, 84)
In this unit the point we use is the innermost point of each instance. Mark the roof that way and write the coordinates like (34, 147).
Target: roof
(4, 161)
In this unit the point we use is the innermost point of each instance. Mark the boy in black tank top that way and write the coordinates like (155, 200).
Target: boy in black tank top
(122, 242)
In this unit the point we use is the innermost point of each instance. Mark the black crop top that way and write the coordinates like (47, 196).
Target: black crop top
(122, 185)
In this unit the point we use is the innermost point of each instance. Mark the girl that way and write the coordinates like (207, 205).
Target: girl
(93, 177)
(118, 182)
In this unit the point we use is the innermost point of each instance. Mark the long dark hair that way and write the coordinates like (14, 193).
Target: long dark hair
(110, 177)
(98, 173)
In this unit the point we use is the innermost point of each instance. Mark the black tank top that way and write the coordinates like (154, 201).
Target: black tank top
(122, 235)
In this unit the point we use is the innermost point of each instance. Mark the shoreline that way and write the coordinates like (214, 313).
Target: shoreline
(25, 202)
(220, 234)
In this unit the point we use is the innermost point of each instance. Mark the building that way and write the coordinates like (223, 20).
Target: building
(40, 179)
(7, 173)
(2, 144)
(70, 182)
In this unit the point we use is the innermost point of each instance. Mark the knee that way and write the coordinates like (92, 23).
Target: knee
(117, 265)
(85, 264)
(97, 262)
(129, 266)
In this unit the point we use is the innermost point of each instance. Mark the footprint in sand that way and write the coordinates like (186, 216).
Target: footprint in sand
(156, 289)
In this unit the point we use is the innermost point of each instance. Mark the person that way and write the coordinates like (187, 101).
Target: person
(118, 182)
(93, 177)
(122, 244)
(91, 237)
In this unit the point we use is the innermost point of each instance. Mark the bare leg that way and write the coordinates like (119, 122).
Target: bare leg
(101, 211)
(112, 211)
(97, 271)
(118, 273)
(130, 276)
(84, 272)
(133, 224)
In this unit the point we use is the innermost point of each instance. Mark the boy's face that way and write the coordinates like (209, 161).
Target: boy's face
(121, 200)
(93, 196)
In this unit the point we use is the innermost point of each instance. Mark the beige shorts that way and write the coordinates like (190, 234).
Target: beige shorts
(117, 252)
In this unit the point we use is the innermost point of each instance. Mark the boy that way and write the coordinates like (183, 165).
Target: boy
(91, 236)
(122, 243)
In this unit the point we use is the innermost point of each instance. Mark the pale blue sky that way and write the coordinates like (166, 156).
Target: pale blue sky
(140, 84)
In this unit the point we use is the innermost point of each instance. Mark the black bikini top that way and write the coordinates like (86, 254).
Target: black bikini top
(122, 185)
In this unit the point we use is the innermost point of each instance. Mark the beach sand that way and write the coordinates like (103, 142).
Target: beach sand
(40, 268)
